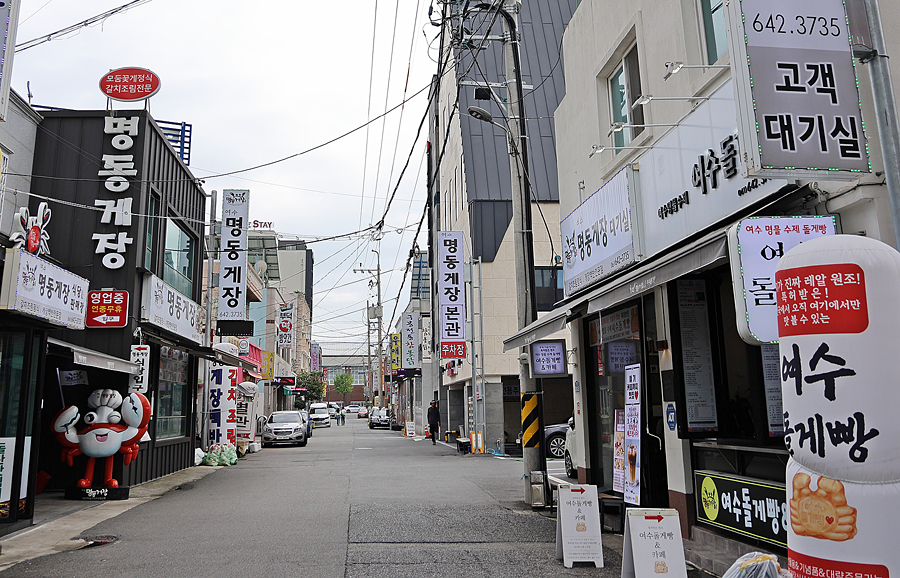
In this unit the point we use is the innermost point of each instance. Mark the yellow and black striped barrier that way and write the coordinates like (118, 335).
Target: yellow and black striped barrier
(530, 424)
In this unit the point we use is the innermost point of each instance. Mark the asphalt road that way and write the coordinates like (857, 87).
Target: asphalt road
(353, 503)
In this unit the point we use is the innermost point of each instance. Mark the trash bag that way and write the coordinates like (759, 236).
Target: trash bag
(198, 456)
(755, 565)
(212, 456)
(228, 456)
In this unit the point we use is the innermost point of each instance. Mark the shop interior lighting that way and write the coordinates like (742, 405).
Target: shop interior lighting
(674, 67)
(646, 98)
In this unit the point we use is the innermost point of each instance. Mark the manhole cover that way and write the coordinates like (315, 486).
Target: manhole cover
(93, 541)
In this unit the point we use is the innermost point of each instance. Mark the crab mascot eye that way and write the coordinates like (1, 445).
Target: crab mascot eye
(113, 425)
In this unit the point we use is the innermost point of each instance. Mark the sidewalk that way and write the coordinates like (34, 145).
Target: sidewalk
(59, 524)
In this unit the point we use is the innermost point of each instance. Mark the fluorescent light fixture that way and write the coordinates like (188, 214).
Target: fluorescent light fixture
(646, 98)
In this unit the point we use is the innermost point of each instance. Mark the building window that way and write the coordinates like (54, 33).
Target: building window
(548, 287)
(4, 171)
(714, 29)
(171, 411)
(624, 90)
(179, 266)
(151, 227)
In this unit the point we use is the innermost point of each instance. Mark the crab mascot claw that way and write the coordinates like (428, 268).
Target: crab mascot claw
(112, 425)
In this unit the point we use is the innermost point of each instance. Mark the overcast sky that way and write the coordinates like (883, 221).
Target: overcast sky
(260, 81)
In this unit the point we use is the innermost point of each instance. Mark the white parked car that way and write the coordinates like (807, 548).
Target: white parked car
(318, 414)
(574, 453)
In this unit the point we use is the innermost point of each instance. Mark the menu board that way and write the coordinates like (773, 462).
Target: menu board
(771, 361)
(699, 389)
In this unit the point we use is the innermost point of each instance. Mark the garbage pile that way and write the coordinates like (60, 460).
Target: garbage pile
(756, 565)
(220, 455)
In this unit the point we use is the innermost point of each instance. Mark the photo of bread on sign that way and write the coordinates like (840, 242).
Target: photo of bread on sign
(822, 513)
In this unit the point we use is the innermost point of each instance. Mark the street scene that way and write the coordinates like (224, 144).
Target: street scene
(354, 502)
(449, 288)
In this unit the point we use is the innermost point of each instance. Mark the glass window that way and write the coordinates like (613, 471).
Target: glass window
(624, 90)
(179, 266)
(151, 226)
(548, 287)
(714, 29)
(171, 410)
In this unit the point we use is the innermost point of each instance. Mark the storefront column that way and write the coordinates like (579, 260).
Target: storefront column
(678, 451)
(579, 399)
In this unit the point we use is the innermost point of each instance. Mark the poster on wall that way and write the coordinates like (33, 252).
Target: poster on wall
(223, 381)
(7, 459)
(619, 453)
(696, 348)
(754, 247)
(633, 434)
(771, 362)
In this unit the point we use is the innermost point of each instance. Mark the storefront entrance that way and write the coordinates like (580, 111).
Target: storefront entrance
(619, 344)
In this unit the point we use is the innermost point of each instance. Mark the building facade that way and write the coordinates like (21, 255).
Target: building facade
(471, 192)
(659, 316)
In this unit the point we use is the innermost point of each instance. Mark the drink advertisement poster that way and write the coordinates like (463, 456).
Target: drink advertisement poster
(633, 434)
(619, 453)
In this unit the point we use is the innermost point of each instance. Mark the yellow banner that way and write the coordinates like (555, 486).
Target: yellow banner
(268, 365)
(395, 351)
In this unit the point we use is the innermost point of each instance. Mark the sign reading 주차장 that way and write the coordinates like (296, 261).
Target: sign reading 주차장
(597, 236)
(755, 245)
(578, 537)
(652, 544)
(796, 89)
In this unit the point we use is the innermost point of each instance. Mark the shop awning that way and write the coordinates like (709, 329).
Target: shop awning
(693, 257)
(91, 358)
(547, 325)
(222, 357)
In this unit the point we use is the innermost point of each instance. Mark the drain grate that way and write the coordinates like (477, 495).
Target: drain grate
(93, 541)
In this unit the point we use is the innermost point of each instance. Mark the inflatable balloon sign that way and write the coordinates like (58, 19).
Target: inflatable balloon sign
(838, 318)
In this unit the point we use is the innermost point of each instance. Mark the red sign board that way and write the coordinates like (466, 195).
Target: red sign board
(107, 308)
(129, 84)
(822, 299)
(453, 349)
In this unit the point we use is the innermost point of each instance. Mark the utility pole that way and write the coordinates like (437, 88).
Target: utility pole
(885, 113)
(369, 379)
(378, 314)
(526, 311)
(210, 262)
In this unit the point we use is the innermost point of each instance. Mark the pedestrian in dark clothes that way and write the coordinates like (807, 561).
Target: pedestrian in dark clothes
(434, 421)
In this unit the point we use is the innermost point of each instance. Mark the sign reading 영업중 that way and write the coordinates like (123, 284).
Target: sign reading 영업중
(107, 308)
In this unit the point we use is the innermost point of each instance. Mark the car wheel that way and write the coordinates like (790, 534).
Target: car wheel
(302, 444)
(570, 469)
(556, 446)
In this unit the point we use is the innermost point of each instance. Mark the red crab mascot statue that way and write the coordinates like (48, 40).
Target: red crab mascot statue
(112, 426)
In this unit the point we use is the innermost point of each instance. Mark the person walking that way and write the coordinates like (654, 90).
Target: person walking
(434, 421)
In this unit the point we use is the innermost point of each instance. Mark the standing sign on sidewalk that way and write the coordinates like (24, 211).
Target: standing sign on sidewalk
(652, 544)
(578, 526)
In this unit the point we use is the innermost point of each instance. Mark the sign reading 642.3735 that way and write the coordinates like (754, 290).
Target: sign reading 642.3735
(798, 98)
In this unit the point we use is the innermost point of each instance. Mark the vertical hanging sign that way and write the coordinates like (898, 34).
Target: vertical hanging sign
(633, 434)
(117, 210)
(222, 393)
(451, 285)
(286, 325)
(233, 255)
(409, 356)
(395, 353)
